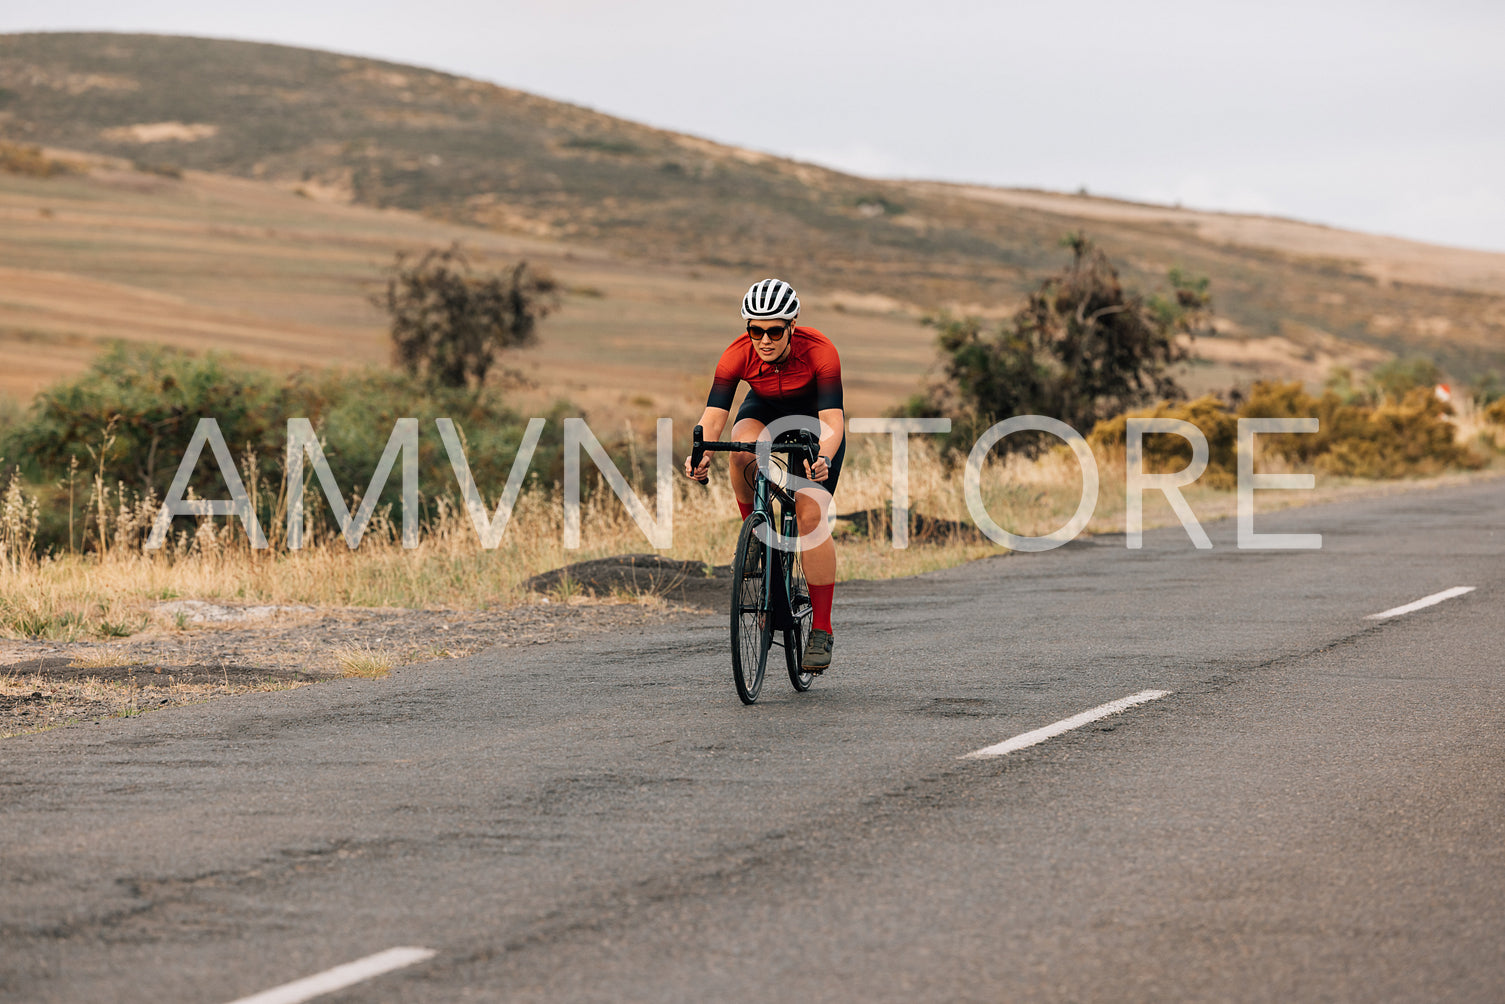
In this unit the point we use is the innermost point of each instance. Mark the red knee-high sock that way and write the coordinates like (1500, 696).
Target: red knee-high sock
(745, 508)
(820, 600)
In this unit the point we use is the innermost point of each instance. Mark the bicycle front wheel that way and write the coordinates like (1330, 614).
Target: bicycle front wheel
(752, 629)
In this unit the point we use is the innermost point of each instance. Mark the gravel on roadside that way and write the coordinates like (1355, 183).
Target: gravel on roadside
(45, 684)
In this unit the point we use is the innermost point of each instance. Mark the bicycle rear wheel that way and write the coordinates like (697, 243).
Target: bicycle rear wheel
(801, 614)
(752, 629)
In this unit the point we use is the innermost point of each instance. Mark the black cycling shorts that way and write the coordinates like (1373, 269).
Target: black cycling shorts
(763, 410)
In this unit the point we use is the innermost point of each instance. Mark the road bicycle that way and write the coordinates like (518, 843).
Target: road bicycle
(769, 594)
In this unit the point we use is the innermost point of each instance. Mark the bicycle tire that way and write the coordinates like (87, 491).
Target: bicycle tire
(801, 613)
(752, 628)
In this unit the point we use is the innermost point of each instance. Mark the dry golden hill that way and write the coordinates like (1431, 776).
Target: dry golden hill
(330, 148)
(212, 262)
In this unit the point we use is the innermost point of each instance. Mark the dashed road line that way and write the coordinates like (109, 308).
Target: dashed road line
(1019, 742)
(339, 977)
(1425, 601)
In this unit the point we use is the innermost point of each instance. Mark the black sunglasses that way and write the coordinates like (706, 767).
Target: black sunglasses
(772, 334)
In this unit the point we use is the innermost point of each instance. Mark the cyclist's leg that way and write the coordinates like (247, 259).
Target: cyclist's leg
(819, 559)
(752, 418)
(744, 465)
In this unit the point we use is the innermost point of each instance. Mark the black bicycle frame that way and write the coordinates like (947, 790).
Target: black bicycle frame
(809, 448)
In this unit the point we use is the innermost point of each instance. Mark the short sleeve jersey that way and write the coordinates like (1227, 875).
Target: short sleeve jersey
(807, 382)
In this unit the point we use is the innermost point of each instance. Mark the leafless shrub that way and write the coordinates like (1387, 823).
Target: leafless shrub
(451, 325)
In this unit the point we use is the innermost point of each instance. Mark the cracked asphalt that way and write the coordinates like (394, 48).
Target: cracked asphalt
(1316, 812)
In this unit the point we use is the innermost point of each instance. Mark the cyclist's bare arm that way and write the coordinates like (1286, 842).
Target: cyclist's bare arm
(833, 425)
(712, 421)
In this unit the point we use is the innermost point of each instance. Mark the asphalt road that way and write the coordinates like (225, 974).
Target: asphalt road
(1315, 812)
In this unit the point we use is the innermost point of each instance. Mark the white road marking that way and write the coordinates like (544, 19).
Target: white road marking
(1019, 742)
(1425, 601)
(339, 977)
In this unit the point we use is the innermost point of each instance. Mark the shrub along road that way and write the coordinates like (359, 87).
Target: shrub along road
(1312, 812)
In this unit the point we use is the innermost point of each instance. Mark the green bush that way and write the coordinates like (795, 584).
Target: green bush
(160, 169)
(130, 415)
(1082, 349)
(1488, 388)
(1399, 377)
(10, 415)
(127, 421)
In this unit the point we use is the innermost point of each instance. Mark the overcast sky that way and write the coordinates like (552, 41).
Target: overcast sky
(1375, 115)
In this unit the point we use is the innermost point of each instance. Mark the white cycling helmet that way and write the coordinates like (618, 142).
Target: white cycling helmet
(771, 298)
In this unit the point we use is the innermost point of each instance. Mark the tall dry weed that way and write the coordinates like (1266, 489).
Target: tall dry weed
(19, 518)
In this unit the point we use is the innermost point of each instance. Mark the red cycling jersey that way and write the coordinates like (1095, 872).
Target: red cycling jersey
(807, 382)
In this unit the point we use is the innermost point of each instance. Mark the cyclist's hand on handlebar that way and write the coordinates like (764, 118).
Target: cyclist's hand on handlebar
(818, 471)
(699, 473)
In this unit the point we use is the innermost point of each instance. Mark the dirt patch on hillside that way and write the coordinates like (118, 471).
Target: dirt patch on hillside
(161, 132)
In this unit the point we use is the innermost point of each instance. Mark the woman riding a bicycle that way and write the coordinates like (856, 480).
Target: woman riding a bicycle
(794, 380)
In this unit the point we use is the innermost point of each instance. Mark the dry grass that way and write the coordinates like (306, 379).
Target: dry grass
(1483, 427)
(88, 596)
(100, 596)
(365, 661)
(100, 659)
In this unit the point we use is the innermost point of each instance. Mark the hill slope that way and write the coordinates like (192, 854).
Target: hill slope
(209, 261)
(385, 135)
